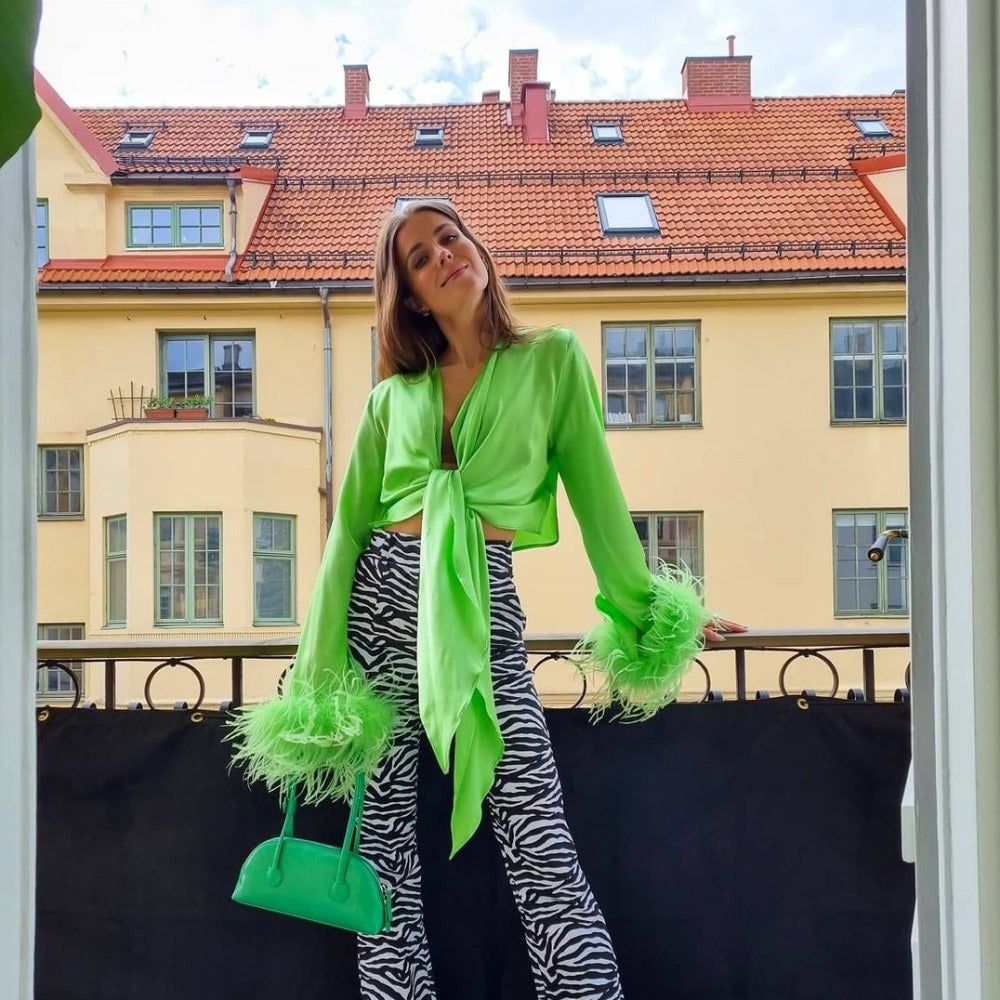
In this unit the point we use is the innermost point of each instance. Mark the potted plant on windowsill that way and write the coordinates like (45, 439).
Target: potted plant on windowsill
(159, 408)
(192, 407)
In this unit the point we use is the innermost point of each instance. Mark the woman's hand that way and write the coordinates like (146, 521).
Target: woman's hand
(714, 628)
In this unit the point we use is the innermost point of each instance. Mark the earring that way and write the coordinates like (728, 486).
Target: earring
(425, 312)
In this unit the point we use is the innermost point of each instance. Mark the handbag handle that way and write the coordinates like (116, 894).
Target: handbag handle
(352, 838)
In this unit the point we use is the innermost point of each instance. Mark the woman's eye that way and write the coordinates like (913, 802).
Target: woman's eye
(450, 237)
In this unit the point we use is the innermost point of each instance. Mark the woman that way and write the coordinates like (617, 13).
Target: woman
(415, 625)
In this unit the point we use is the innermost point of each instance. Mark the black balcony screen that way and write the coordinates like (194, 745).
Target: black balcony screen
(738, 850)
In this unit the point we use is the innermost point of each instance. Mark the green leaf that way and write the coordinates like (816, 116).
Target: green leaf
(20, 113)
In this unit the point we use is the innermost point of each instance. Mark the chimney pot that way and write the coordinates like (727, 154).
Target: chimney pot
(732, 45)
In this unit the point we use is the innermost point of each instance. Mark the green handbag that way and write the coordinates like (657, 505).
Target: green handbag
(330, 885)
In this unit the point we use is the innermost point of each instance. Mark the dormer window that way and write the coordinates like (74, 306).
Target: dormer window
(606, 133)
(256, 139)
(627, 215)
(136, 139)
(873, 128)
(429, 135)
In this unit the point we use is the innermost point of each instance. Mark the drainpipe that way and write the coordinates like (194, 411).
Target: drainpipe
(231, 184)
(327, 408)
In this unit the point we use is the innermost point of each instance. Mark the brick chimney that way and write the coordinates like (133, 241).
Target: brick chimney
(491, 97)
(522, 69)
(717, 83)
(355, 91)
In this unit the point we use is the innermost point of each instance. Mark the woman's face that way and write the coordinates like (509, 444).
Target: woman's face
(440, 264)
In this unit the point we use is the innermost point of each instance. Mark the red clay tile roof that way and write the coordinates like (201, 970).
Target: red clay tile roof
(773, 190)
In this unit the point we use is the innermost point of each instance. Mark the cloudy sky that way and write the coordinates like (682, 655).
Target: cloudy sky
(106, 53)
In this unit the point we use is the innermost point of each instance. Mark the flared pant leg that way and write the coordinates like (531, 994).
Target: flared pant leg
(568, 944)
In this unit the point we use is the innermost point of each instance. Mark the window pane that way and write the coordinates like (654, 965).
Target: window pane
(283, 535)
(162, 216)
(615, 342)
(635, 342)
(615, 377)
(116, 590)
(864, 403)
(893, 404)
(684, 341)
(273, 588)
(663, 341)
(263, 534)
(190, 217)
(628, 213)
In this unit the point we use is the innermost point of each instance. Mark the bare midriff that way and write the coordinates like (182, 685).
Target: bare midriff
(412, 525)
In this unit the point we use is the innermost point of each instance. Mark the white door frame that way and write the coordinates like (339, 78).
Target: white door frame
(952, 276)
(18, 631)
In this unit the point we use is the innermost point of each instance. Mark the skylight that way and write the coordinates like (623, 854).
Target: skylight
(872, 128)
(406, 199)
(429, 136)
(256, 139)
(137, 138)
(627, 214)
(606, 133)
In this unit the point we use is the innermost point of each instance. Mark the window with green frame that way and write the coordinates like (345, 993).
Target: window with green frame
(176, 225)
(675, 539)
(54, 682)
(188, 569)
(868, 376)
(60, 481)
(863, 588)
(651, 374)
(115, 570)
(273, 569)
(220, 366)
(41, 232)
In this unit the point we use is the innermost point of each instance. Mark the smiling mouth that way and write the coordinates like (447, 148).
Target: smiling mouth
(454, 274)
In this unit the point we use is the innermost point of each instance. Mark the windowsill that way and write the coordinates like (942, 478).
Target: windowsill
(868, 423)
(672, 425)
(61, 517)
(198, 248)
(275, 624)
(182, 625)
(855, 616)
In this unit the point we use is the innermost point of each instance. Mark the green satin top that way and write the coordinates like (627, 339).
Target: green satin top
(533, 416)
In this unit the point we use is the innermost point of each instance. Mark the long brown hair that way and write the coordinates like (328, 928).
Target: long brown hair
(409, 341)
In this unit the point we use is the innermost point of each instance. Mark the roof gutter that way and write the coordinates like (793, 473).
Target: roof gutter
(365, 286)
(324, 294)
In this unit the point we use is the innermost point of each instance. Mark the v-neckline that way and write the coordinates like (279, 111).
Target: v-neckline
(439, 394)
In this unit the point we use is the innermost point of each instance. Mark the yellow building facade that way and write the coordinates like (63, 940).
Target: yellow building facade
(214, 529)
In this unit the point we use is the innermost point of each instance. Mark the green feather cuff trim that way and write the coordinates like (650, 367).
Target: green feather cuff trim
(319, 739)
(643, 670)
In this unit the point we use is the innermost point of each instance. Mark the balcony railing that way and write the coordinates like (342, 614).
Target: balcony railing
(844, 660)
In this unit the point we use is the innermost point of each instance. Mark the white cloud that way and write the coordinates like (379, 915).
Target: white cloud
(227, 52)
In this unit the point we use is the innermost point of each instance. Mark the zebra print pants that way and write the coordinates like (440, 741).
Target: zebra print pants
(568, 944)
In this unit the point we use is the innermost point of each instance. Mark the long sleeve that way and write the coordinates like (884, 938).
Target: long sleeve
(329, 722)
(653, 623)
